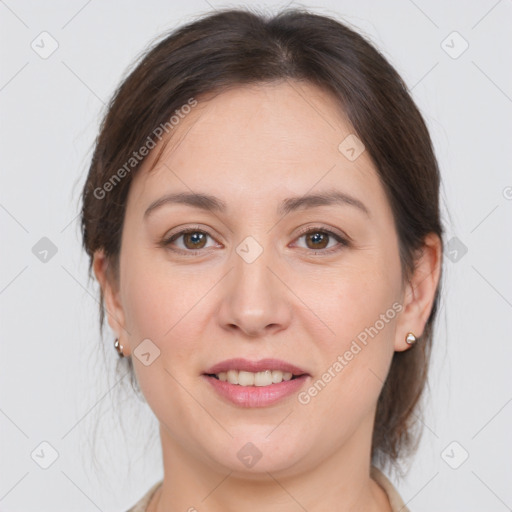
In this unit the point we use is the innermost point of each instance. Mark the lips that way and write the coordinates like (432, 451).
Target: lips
(255, 366)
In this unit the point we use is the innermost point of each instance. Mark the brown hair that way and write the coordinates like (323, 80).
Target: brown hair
(233, 47)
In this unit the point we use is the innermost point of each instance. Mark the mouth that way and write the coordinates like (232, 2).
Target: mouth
(265, 372)
(259, 379)
(260, 383)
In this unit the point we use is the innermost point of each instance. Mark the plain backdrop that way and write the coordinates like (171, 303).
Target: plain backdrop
(60, 63)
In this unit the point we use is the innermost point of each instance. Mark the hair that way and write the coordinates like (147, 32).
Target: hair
(235, 47)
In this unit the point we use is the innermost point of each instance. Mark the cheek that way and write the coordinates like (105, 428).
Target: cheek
(351, 299)
(162, 302)
(354, 361)
(357, 348)
(160, 305)
(360, 306)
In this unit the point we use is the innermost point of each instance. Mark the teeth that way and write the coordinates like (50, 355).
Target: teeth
(265, 378)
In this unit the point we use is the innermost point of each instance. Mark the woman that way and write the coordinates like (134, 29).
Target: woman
(262, 215)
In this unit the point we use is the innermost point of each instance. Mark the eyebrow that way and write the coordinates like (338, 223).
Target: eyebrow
(215, 204)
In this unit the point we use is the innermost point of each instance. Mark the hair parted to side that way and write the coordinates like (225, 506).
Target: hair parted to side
(234, 47)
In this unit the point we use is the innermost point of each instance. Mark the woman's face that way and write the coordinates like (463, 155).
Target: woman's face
(264, 277)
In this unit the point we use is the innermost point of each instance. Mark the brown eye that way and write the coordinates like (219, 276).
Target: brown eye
(317, 240)
(323, 240)
(187, 241)
(194, 239)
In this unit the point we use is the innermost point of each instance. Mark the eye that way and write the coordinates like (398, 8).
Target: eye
(318, 239)
(193, 240)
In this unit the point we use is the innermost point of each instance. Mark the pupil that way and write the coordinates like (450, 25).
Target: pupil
(195, 237)
(318, 237)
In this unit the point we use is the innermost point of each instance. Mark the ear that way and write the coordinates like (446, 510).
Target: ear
(419, 293)
(111, 297)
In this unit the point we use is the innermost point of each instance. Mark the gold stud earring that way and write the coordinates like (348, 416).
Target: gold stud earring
(118, 347)
(410, 339)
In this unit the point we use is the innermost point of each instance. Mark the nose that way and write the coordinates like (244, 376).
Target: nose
(254, 299)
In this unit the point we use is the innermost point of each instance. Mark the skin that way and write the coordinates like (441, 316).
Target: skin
(252, 147)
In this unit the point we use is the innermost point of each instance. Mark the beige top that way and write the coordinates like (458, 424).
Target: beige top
(397, 504)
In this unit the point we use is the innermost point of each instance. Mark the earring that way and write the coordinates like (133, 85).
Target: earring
(118, 347)
(410, 339)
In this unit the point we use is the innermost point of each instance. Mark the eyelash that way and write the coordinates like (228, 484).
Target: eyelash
(322, 252)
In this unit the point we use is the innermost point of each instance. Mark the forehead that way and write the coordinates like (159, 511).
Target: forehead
(256, 142)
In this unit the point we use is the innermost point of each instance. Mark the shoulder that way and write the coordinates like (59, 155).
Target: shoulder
(141, 505)
(395, 499)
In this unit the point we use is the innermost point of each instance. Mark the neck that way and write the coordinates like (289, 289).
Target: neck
(341, 482)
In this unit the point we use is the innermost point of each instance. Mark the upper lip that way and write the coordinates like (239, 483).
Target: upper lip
(255, 366)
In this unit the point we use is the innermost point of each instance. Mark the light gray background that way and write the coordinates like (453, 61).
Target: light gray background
(54, 383)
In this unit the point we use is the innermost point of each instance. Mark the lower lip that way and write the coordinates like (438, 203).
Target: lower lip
(256, 396)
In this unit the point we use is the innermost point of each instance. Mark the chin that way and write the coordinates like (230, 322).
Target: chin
(254, 451)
